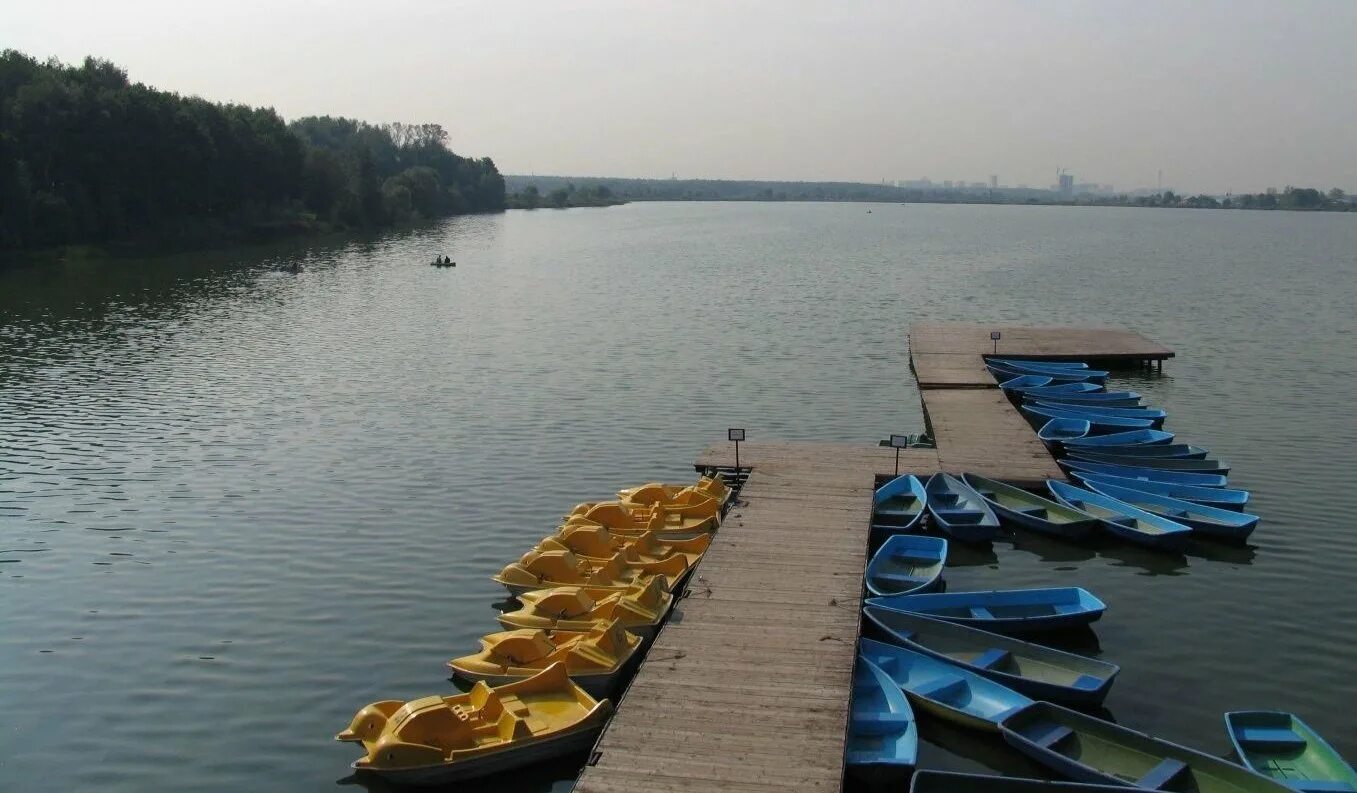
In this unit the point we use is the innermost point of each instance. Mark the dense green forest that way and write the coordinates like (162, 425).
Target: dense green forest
(564, 197)
(87, 157)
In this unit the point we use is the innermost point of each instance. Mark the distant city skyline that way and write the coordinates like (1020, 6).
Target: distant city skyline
(1224, 95)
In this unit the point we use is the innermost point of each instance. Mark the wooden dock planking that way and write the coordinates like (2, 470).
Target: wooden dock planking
(746, 689)
(949, 354)
(979, 430)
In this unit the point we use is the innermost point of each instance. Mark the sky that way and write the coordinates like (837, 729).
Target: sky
(1219, 95)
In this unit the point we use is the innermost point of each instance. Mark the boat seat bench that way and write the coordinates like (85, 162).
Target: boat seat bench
(941, 688)
(1053, 734)
(1162, 774)
(880, 723)
(991, 658)
(1271, 738)
(981, 613)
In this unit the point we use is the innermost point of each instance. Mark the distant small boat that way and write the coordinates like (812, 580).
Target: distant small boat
(1092, 750)
(1199, 517)
(1101, 424)
(959, 510)
(1224, 498)
(906, 563)
(1004, 610)
(1154, 415)
(945, 690)
(955, 782)
(1109, 399)
(1056, 389)
(1141, 437)
(1281, 746)
(1026, 381)
(883, 740)
(1032, 511)
(1123, 520)
(1055, 431)
(1058, 367)
(1002, 372)
(1031, 669)
(1159, 463)
(1151, 474)
(1181, 451)
(900, 503)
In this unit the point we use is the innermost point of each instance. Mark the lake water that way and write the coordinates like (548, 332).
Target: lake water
(237, 504)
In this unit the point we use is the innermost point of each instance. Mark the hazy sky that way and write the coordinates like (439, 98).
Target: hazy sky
(1220, 95)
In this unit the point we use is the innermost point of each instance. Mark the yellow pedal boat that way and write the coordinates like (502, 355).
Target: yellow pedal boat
(595, 659)
(633, 519)
(547, 569)
(435, 740)
(659, 492)
(640, 609)
(598, 543)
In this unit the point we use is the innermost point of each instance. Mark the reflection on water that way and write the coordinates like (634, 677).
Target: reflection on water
(237, 504)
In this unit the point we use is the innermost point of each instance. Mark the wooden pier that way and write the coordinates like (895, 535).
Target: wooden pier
(747, 687)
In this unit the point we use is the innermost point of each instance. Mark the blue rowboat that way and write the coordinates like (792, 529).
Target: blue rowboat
(883, 740)
(1002, 372)
(956, 782)
(1158, 463)
(900, 503)
(1031, 511)
(1054, 389)
(1030, 669)
(959, 510)
(1122, 519)
(1282, 747)
(1004, 610)
(1057, 430)
(1024, 382)
(1092, 750)
(1181, 451)
(945, 690)
(1109, 399)
(1142, 437)
(1039, 415)
(1210, 496)
(906, 563)
(1156, 415)
(1206, 520)
(1058, 367)
(1149, 474)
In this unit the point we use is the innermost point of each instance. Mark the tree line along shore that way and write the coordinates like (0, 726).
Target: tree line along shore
(89, 158)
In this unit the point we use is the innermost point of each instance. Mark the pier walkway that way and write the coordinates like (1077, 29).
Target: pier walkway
(747, 687)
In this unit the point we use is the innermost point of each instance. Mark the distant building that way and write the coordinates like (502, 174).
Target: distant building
(1066, 186)
(947, 184)
(993, 182)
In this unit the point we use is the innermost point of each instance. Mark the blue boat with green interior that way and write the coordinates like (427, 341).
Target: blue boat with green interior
(1015, 386)
(1281, 746)
(1189, 465)
(957, 782)
(1148, 474)
(1110, 399)
(1092, 750)
(1031, 511)
(1182, 451)
(883, 740)
(1004, 610)
(960, 511)
(1140, 437)
(1037, 363)
(1030, 669)
(1225, 524)
(1221, 497)
(906, 563)
(1123, 520)
(1004, 372)
(1099, 424)
(945, 690)
(1026, 381)
(1155, 415)
(1053, 432)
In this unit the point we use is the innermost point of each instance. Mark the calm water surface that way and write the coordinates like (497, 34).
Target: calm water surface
(237, 504)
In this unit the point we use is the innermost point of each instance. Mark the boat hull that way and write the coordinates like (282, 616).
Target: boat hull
(1282, 747)
(547, 749)
(1151, 437)
(906, 563)
(1148, 474)
(1213, 521)
(1115, 516)
(1211, 496)
(1008, 502)
(960, 511)
(1004, 611)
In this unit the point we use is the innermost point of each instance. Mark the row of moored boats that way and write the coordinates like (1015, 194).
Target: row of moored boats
(957, 655)
(590, 598)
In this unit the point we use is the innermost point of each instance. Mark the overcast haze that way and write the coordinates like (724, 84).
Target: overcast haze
(1220, 95)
